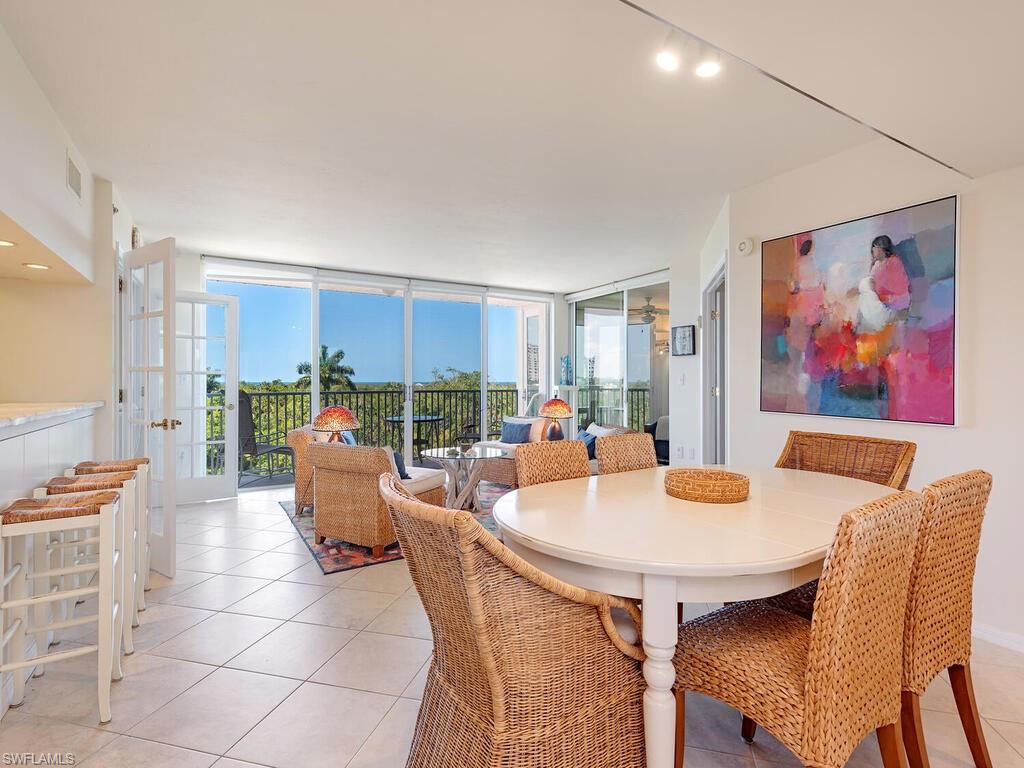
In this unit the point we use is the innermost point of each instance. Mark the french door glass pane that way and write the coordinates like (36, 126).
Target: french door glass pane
(600, 340)
(647, 355)
(362, 338)
(274, 340)
(445, 370)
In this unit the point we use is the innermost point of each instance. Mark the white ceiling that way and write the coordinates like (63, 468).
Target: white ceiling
(945, 76)
(528, 144)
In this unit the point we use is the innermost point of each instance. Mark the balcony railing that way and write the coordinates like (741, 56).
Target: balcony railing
(442, 417)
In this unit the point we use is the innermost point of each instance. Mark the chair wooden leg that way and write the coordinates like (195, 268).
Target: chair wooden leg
(891, 746)
(913, 731)
(963, 692)
(748, 729)
(680, 727)
(318, 538)
(378, 551)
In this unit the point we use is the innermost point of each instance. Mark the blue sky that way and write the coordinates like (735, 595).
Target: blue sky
(274, 333)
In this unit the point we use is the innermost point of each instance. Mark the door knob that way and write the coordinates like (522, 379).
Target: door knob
(174, 423)
(165, 424)
(231, 406)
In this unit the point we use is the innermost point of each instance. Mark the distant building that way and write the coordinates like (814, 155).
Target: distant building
(532, 362)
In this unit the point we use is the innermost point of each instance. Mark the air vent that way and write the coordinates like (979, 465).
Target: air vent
(74, 178)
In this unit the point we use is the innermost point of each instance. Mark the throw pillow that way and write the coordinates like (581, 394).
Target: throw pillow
(590, 441)
(514, 432)
(400, 466)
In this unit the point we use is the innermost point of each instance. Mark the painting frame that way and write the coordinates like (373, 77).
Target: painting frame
(684, 341)
(957, 257)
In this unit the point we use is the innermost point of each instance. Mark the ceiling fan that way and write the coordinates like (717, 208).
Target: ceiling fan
(648, 313)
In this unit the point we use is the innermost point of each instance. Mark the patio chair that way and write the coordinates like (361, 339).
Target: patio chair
(255, 446)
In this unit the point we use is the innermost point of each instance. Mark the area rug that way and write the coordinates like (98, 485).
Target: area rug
(334, 556)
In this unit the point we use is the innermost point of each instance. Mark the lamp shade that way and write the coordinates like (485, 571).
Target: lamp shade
(337, 418)
(555, 409)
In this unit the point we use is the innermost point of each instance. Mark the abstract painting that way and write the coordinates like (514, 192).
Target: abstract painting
(858, 319)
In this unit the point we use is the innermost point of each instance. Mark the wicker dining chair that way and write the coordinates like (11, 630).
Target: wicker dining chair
(625, 453)
(886, 462)
(549, 461)
(346, 501)
(937, 634)
(819, 686)
(527, 671)
(300, 439)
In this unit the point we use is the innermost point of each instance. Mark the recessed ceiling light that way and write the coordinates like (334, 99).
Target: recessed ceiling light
(7, 244)
(34, 266)
(668, 61)
(708, 68)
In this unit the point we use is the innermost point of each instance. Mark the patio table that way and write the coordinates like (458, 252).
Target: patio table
(622, 534)
(418, 424)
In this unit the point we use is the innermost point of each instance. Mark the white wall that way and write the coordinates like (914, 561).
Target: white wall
(690, 272)
(33, 166)
(869, 179)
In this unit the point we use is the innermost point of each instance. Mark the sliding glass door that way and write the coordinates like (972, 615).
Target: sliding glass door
(600, 330)
(443, 408)
(362, 361)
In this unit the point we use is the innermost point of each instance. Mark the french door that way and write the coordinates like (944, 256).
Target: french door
(206, 392)
(149, 367)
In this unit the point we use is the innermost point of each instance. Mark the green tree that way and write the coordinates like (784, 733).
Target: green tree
(333, 373)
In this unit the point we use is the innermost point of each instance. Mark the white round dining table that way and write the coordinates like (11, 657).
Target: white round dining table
(622, 534)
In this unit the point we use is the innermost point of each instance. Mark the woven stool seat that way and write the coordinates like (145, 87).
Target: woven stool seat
(31, 510)
(97, 482)
(753, 657)
(118, 465)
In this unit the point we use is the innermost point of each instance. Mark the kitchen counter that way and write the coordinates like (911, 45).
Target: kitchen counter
(20, 414)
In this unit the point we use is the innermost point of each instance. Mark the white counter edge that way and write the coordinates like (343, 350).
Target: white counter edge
(19, 418)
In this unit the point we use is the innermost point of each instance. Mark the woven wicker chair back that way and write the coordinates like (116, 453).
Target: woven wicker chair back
(347, 502)
(625, 453)
(939, 612)
(519, 657)
(886, 462)
(549, 461)
(299, 439)
(854, 667)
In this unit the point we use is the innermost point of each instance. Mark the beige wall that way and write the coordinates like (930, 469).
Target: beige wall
(869, 179)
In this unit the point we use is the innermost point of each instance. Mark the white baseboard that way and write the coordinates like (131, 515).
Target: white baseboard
(1009, 640)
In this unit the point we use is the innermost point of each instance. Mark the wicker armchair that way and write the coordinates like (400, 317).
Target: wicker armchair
(819, 686)
(886, 462)
(625, 453)
(527, 671)
(346, 501)
(299, 440)
(550, 461)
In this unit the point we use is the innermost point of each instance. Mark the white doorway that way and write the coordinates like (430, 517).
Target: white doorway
(206, 367)
(715, 347)
(149, 370)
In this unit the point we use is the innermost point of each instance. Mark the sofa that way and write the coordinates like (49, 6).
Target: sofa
(503, 471)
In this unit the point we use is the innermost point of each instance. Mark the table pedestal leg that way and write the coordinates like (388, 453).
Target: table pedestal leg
(661, 633)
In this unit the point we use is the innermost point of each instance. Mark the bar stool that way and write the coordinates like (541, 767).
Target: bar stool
(125, 536)
(41, 518)
(141, 551)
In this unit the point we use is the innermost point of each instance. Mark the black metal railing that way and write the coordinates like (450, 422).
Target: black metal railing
(442, 417)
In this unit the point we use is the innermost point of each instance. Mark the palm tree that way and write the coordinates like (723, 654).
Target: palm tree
(333, 374)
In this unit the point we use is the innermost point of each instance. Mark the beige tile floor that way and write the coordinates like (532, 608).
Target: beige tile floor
(251, 656)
